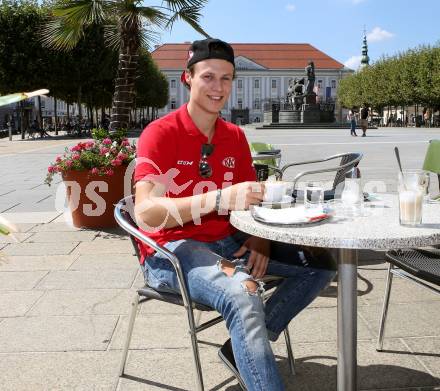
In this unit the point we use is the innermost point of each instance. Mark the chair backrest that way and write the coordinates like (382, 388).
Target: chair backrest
(353, 158)
(432, 158)
(261, 147)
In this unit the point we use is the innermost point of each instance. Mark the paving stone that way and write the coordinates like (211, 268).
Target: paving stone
(109, 261)
(405, 320)
(84, 302)
(36, 262)
(77, 371)
(402, 291)
(15, 237)
(17, 303)
(20, 280)
(320, 324)
(174, 370)
(106, 246)
(56, 333)
(57, 237)
(159, 332)
(427, 350)
(58, 227)
(30, 217)
(63, 248)
(88, 279)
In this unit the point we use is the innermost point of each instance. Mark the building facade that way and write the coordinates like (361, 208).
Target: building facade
(263, 73)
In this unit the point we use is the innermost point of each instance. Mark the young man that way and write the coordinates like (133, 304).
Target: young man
(192, 168)
(364, 119)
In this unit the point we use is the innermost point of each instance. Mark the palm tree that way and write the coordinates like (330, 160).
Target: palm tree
(128, 26)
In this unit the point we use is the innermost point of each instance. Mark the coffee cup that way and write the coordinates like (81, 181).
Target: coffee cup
(276, 190)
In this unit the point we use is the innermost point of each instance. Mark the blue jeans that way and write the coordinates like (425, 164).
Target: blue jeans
(250, 322)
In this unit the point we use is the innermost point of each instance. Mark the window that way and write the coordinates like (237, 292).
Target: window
(173, 104)
(240, 84)
(240, 103)
(257, 119)
(274, 83)
(319, 83)
(333, 83)
(257, 84)
(173, 83)
(257, 103)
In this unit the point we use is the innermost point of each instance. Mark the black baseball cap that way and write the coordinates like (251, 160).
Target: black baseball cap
(206, 49)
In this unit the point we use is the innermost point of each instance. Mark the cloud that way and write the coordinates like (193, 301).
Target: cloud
(353, 62)
(290, 7)
(378, 34)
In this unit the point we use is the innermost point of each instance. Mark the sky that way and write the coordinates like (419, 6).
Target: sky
(335, 27)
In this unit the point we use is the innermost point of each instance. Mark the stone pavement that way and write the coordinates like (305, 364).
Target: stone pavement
(65, 295)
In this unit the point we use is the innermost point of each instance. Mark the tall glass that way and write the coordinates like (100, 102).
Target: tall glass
(411, 188)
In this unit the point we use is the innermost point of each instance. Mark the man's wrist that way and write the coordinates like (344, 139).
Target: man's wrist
(218, 203)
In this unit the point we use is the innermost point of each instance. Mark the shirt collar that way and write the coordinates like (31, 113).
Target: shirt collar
(191, 128)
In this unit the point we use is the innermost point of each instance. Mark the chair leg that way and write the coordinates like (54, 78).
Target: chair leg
(289, 351)
(386, 300)
(133, 312)
(195, 348)
(198, 317)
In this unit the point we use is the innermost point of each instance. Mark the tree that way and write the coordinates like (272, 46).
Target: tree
(129, 26)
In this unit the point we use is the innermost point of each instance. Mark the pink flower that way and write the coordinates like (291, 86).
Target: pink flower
(76, 148)
(125, 142)
(76, 157)
(103, 150)
(94, 171)
(116, 162)
(58, 159)
(109, 172)
(107, 141)
(122, 156)
(51, 169)
(89, 145)
(69, 163)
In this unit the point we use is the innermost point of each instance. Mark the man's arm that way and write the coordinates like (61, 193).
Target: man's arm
(156, 210)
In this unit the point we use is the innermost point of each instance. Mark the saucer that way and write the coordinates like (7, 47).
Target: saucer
(285, 202)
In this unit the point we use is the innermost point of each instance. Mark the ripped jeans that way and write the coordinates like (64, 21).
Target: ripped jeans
(236, 296)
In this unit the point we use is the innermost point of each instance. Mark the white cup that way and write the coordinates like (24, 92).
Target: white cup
(275, 191)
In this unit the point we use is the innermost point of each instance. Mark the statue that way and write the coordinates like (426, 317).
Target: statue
(295, 93)
(310, 70)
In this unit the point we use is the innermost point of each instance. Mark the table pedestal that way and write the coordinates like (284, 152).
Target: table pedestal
(347, 319)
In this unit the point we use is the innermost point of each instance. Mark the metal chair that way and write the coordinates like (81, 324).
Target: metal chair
(348, 161)
(432, 159)
(124, 211)
(416, 265)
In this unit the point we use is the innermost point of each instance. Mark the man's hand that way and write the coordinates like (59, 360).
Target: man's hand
(241, 195)
(259, 257)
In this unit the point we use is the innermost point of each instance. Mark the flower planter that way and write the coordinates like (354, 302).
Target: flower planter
(92, 197)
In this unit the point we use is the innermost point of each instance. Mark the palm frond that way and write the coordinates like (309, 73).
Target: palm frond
(83, 12)
(149, 38)
(176, 5)
(154, 16)
(59, 35)
(112, 36)
(190, 15)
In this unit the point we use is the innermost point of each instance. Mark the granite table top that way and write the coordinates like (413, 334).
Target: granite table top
(378, 228)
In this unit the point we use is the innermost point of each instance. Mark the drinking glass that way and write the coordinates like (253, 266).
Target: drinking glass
(313, 196)
(411, 189)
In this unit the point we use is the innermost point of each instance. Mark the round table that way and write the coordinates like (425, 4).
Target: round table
(378, 229)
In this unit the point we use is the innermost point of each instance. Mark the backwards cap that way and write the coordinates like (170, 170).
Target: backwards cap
(206, 49)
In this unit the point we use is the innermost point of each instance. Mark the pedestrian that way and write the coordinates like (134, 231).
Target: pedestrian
(427, 118)
(192, 168)
(365, 112)
(352, 119)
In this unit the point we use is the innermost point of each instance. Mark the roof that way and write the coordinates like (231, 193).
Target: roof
(270, 55)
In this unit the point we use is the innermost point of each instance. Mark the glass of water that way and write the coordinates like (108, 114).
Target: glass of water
(313, 196)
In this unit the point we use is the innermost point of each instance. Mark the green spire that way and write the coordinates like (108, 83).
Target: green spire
(365, 60)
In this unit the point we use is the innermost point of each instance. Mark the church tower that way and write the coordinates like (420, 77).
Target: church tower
(365, 60)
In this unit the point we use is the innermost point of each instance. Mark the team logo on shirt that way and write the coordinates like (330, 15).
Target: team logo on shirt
(229, 162)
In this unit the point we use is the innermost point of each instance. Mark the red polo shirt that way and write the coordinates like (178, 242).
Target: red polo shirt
(169, 151)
